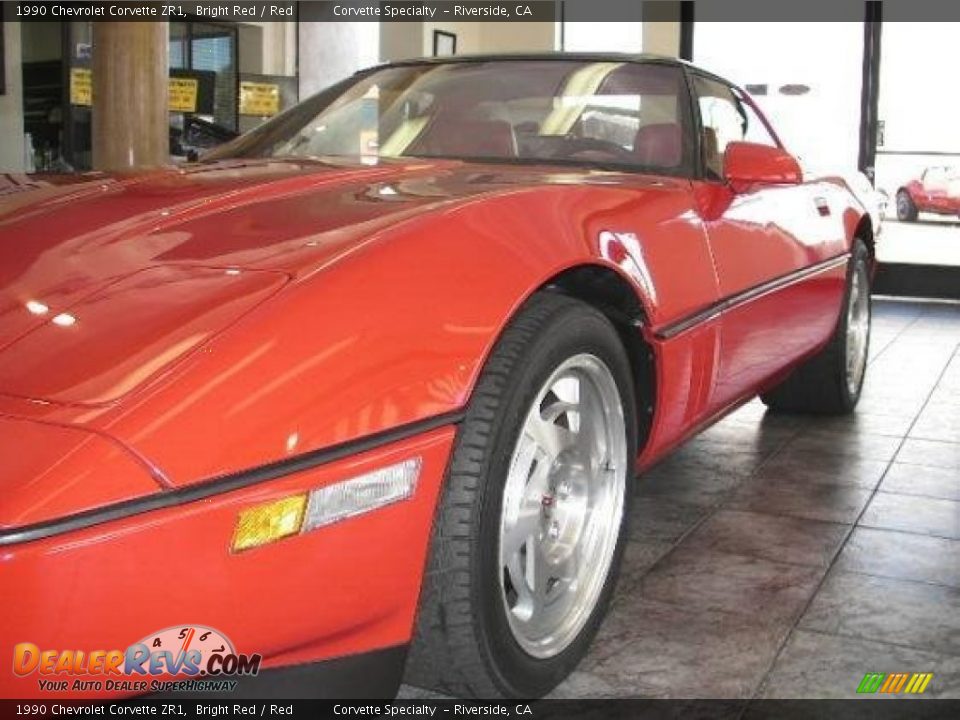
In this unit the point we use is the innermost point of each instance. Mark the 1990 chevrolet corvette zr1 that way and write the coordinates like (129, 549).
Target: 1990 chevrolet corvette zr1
(368, 387)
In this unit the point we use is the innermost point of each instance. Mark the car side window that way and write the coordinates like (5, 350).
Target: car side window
(632, 113)
(725, 119)
(756, 130)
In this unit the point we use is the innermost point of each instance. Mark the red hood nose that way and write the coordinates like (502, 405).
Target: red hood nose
(107, 344)
(105, 283)
(50, 471)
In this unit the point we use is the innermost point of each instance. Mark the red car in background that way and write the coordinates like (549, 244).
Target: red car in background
(937, 191)
(365, 392)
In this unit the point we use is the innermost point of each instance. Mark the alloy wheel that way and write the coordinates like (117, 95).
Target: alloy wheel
(858, 328)
(563, 506)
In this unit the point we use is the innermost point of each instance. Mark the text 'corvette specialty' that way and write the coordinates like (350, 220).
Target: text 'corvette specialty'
(365, 391)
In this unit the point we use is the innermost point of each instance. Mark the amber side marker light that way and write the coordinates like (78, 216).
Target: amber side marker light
(275, 520)
(271, 521)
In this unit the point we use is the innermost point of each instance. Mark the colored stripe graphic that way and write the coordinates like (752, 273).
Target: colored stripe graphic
(870, 683)
(892, 683)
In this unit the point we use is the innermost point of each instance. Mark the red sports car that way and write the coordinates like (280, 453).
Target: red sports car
(366, 390)
(937, 191)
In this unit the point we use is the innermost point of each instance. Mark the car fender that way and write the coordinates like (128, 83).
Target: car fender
(396, 330)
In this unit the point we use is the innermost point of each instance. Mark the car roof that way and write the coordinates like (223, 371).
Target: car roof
(553, 55)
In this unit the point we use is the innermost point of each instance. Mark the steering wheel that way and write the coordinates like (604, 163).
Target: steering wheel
(576, 147)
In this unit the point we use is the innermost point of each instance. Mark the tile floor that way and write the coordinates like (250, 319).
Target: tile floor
(783, 557)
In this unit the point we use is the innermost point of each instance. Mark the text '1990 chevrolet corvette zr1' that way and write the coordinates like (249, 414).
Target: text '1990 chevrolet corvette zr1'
(365, 391)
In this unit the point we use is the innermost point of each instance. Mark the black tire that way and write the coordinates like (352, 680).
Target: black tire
(906, 208)
(820, 385)
(463, 644)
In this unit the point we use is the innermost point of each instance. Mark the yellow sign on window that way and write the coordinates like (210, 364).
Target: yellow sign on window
(182, 92)
(81, 86)
(183, 95)
(260, 99)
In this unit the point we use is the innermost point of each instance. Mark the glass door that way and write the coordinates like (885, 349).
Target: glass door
(918, 144)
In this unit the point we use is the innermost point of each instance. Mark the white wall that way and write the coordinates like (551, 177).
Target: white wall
(402, 40)
(662, 38)
(657, 37)
(603, 37)
(279, 48)
(500, 37)
(271, 50)
(468, 36)
(329, 52)
(11, 103)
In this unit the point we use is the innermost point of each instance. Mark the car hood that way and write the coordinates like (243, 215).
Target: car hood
(105, 281)
(110, 285)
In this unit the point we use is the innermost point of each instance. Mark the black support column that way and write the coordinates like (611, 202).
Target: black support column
(686, 30)
(870, 90)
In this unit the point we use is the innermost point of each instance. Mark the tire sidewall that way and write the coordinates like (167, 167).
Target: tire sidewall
(577, 330)
(909, 210)
(859, 258)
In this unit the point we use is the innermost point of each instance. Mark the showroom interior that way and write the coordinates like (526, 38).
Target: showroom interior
(772, 555)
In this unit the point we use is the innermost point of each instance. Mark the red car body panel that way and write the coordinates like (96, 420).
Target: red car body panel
(428, 240)
(291, 601)
(938, 200)
(230, 316)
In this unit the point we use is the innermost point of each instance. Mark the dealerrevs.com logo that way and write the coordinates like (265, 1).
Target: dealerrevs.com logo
(192, 658)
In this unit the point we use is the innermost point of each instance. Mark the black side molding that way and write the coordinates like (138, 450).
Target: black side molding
(665, 332)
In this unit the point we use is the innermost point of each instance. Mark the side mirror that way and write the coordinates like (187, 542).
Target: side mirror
(746, 164)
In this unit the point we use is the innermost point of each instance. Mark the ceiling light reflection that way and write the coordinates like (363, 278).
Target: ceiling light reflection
(64, 320)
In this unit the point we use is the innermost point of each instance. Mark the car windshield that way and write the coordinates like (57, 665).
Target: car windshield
(631, 115)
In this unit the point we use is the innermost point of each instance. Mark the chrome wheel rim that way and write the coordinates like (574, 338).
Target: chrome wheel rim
(858, 329)
(563, 506)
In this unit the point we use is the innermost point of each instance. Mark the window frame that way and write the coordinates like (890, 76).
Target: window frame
(739, 95)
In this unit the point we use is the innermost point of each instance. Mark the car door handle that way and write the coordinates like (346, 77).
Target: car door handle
(823, 207)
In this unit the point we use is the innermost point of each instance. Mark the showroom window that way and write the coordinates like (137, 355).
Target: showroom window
(917, 167)
(812, 99)
(211, 51)
(224, 79)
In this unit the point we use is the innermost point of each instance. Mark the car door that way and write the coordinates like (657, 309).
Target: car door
(778, 250)
(934, 190)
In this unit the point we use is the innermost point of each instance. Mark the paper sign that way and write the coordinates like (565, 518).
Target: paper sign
(182, 92)
(260, 99)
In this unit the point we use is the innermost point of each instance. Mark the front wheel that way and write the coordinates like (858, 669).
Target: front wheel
(530, 530)
(906, 208)
(831, 381)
